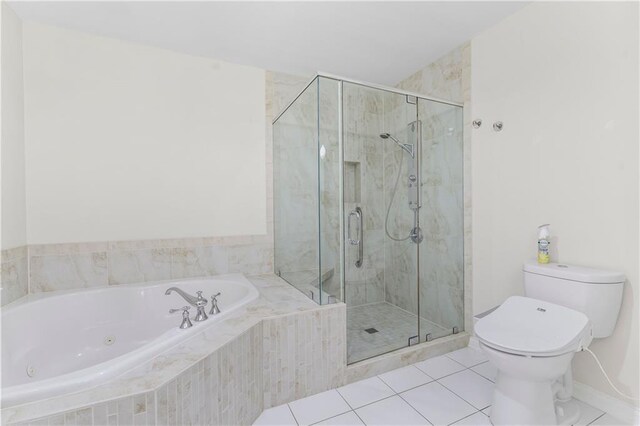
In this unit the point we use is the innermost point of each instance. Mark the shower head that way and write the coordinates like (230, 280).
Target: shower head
(405, 146)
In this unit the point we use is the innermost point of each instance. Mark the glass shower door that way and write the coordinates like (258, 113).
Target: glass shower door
(441, 284)
(381, 262)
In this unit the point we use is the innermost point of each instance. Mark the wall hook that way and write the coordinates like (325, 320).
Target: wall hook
(497, 126)
(476, 123)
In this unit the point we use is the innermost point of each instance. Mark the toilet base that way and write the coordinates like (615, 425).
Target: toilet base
(568, 412)
(522, 402)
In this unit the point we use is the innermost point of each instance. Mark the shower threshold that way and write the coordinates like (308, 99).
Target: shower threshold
(393, 328)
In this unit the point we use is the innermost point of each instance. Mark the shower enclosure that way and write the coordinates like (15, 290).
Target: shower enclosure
(368, 210)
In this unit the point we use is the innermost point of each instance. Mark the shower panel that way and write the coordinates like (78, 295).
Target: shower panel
(368, 210)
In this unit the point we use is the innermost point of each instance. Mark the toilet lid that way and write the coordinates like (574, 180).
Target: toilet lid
(530, 326)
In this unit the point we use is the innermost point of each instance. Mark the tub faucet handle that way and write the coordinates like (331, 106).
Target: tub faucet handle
(214, 304)
(201, 302)
(186, 322)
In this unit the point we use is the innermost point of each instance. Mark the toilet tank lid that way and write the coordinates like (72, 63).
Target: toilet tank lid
(574, 273)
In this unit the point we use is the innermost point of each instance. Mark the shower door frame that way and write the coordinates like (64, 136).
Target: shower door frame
(342, 241)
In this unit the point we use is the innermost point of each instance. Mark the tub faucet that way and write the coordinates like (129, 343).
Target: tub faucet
(214, 302)
(198, 302)
(186, 322)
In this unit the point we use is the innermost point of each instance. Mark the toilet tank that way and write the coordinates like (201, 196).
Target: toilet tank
(594, 292)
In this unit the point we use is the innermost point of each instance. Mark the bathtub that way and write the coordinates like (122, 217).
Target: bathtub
(63, 342)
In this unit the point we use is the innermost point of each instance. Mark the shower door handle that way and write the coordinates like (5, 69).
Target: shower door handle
(357, 213)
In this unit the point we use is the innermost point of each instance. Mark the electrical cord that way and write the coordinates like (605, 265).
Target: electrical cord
(607, 376)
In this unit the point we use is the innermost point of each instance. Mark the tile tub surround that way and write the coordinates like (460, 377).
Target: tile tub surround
(278, 348)
(15, 274)
(83, 265)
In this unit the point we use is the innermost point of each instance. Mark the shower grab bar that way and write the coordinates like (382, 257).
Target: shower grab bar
(357, 213)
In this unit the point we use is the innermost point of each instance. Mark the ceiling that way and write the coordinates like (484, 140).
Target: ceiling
(379, 42)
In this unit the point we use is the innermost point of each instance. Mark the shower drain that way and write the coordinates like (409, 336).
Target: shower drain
(109, 340)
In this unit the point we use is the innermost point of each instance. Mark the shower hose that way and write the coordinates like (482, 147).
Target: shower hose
(393, 194)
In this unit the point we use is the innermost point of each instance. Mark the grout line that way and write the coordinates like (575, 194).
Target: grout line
(358, 416)
(333, 417)
(472, 414)
(414, 409)
(475, 372)
(450, 390)
(344, 399)
(447, 375)
(374, 402)
(293, 415)
(596, 418)
(411, 388)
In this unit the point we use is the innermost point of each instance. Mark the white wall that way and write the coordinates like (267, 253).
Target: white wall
(126, 142)
(563, 77)
(14, 229)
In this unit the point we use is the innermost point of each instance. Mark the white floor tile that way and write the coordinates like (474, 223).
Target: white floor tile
(365, 392)
(477, 419)
(318, 407)
(439, 405)
(280, 415)
(391, 411)
(487, 370)
(472, 387)
(468, 356)
(439, 366)
(346, 419)
(405, 378)
(607, 420)
(587, 413)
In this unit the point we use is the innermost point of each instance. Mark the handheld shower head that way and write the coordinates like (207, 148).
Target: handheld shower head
(405, 146)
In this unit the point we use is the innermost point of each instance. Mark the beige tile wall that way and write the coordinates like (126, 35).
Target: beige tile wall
(14, 278)
(318, 362)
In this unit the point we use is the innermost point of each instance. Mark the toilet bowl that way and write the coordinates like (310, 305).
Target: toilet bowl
(531, 343)
(532, 340)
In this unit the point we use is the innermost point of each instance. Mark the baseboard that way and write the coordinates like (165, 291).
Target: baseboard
(618, 408)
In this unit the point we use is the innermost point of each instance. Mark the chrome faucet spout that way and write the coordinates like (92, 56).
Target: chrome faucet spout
(192, 300)
(198, 302)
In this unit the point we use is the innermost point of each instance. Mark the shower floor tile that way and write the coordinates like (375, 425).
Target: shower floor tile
(394, 326)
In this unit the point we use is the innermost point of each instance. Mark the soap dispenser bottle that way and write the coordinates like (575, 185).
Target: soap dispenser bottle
(543, 243)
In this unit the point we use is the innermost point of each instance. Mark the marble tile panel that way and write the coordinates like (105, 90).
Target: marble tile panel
(14, 278)
(199, 261)
(65, 272)
(135, 266)
(251, 259)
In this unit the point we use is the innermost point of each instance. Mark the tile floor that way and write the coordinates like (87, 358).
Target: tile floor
(455, 388)
(395, 326)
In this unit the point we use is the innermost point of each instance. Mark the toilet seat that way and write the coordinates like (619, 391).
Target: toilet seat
(531, 327)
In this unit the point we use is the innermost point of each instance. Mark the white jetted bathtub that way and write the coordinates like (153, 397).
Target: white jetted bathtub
(65, 342)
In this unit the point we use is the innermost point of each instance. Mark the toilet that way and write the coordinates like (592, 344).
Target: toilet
(531, 340)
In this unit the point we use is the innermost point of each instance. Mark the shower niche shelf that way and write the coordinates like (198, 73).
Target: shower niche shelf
(352, 182)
